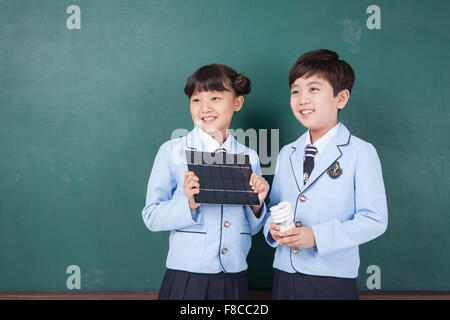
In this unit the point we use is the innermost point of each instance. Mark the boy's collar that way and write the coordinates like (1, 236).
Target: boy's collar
(341, 138)
(323, 141)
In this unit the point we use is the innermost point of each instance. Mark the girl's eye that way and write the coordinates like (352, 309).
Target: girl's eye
(195, 100)
(314, 89)
(294, 92)
(215, 98)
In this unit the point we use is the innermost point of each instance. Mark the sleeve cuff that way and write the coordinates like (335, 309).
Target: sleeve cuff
(271, 241)
(196, 214)
(319, 230)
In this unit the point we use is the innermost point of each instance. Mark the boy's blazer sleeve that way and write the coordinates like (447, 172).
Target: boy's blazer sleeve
(255, 223)
(370, 218)
(163, 210)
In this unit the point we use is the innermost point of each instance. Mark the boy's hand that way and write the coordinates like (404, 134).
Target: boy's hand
(191, 186)
(302, 237)
(261, 187)
(275, 231)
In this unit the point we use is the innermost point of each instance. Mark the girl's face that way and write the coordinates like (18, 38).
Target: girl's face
(212, 111)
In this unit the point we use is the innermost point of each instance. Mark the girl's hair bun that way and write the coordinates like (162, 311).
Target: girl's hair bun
(242, 85)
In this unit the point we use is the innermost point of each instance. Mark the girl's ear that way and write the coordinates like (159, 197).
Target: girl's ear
(238, 102)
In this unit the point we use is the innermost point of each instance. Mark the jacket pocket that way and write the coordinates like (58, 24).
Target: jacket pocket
(189, 243)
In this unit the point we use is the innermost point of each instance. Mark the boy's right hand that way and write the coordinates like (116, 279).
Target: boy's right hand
(275, 231)
(191, 187)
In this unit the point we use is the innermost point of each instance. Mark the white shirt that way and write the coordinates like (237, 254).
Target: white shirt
(323, 142)
(211, 145)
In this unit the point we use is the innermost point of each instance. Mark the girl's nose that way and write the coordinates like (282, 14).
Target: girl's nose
(205, 107)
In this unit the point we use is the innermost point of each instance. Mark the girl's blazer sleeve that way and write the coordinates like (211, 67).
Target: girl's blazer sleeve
(255, 223)
(371, 215)
(163, 209)
(274, 200)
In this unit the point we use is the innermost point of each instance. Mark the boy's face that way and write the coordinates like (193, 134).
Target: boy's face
(314, 104)
(212, 111)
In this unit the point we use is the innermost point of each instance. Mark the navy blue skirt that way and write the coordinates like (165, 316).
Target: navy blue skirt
(299, 286)
(183, 285)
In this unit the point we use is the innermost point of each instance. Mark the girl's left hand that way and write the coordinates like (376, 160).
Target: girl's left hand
(302, 237)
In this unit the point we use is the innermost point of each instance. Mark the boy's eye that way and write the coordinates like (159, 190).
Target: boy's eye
(195, 100)
(314, 89)
(216, 98)
(294, 92)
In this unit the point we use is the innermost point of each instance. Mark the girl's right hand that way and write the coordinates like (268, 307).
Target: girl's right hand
(191, 187)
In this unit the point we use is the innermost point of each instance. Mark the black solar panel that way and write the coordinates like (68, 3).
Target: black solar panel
(224, 178)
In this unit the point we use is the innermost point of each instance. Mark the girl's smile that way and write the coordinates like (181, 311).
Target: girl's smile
(208, 119)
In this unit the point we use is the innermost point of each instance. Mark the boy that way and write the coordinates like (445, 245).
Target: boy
(334, 183)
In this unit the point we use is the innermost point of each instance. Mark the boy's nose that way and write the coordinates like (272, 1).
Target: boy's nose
(303, 100)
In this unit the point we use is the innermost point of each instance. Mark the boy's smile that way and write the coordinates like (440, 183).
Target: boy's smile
(314, 104)
(306, 112)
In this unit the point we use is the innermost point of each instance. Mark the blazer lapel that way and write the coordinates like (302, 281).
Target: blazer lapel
(330, 155)
(296, 159)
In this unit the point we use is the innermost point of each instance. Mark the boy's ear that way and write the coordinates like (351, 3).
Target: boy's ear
(342, 98)
(238, 102)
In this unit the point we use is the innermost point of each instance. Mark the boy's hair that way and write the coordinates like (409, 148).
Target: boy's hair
(217, 77)
(326, 64)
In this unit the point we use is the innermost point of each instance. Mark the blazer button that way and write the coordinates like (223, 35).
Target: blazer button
(302, 198)
(295, 251)
(226, 224)
(224, 250)
(298, 224)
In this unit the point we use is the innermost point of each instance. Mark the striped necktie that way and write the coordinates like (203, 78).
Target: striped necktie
(308, 165)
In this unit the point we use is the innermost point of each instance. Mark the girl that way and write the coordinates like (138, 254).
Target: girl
(208, 244)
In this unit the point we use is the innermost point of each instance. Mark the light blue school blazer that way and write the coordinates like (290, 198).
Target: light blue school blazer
(343, 201)
(212, 238)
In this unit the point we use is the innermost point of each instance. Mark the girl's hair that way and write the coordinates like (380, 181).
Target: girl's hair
(217, 77)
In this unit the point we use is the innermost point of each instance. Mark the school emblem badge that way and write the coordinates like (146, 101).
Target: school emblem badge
(335, 170)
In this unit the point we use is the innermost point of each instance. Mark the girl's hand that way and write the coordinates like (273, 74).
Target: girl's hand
(302, 237)
(191, 186)
(261, 187)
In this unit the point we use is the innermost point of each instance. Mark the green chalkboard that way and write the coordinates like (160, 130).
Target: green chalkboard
(89, 90)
